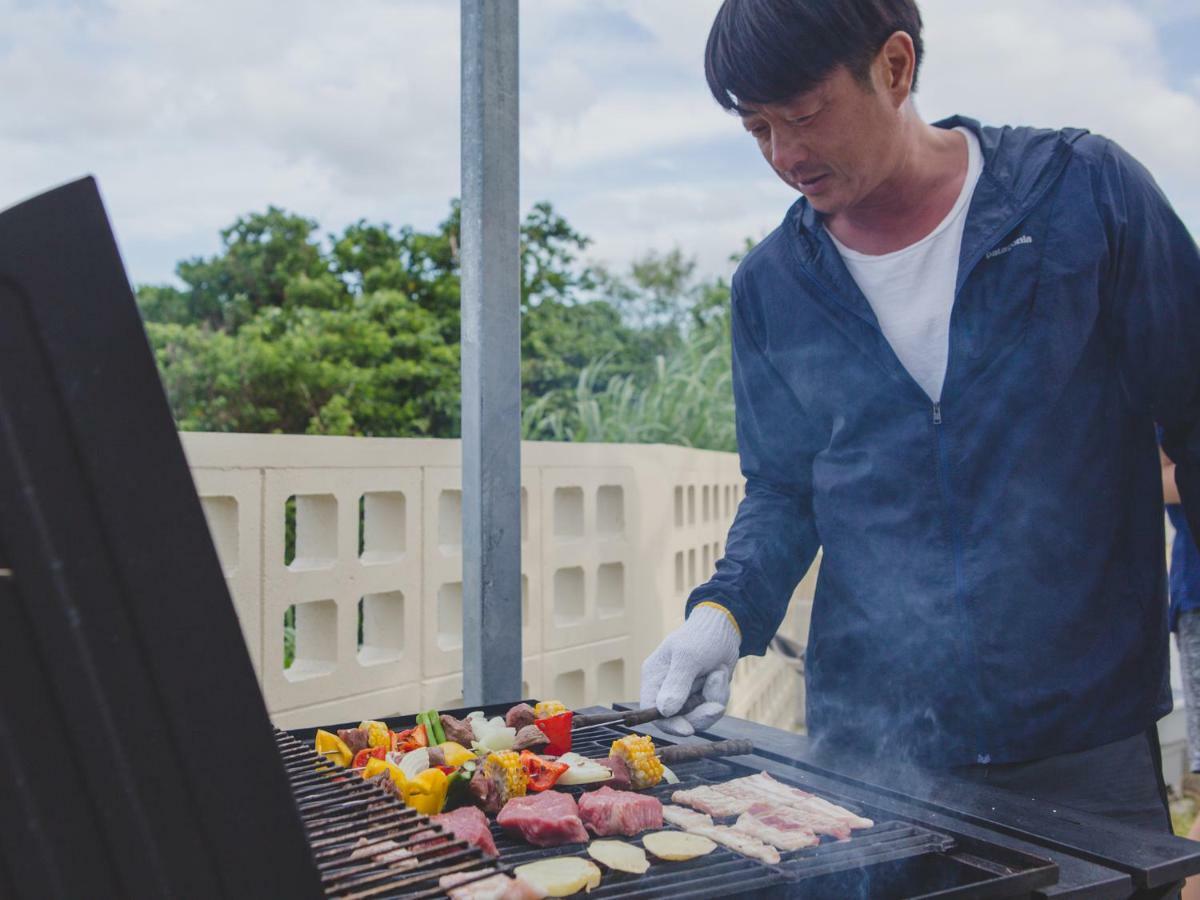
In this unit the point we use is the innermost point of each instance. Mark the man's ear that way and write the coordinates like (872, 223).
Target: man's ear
(894, 67)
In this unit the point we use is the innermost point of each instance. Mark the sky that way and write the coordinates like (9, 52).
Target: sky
(192, 114)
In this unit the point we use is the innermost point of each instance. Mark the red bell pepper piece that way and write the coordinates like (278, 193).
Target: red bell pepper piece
(405, 741)
(542, 773)
(557, 730)
(361, 757)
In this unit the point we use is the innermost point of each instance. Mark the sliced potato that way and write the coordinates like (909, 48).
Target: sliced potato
(677, 845)
(620, 856)
(561, 876)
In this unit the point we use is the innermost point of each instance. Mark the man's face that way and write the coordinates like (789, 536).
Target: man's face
(834, 143)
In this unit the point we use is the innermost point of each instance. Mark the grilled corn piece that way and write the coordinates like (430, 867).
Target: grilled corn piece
(507, 774)
(645, 768)
(377, 734)
(547, 708)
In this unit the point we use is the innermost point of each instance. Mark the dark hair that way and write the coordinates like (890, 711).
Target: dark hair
(768, 51)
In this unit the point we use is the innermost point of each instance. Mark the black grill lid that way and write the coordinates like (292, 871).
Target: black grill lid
(137, 755)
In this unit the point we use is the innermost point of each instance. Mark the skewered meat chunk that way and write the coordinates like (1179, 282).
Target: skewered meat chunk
(528, 737)
(500, 778)
(608, 812)
(545, 820)
(497, 887)
(519, 716)
(620, 780)
(355, 738)
(457, 730)
(778, 827)
(384, 781)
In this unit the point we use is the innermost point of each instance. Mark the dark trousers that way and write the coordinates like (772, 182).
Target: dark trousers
(1122, 781)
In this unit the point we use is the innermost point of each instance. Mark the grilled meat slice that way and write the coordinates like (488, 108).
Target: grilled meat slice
(384, 851)
(544, 820)
(607, 812)
(497, 887)
(468, 824)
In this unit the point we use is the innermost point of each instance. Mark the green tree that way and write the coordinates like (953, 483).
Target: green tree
(280, 332)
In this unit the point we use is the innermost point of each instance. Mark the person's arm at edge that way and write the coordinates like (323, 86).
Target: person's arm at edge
(1170, 488)
(1153, 308)
(773, 538)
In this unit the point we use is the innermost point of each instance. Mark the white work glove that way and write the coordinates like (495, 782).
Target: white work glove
(691, 668)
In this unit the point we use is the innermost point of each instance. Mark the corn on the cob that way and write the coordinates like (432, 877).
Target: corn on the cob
(546, 708)
(645, 768)
(377, 734)
(507, 774)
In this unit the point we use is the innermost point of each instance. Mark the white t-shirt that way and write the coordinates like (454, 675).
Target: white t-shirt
(912, 290)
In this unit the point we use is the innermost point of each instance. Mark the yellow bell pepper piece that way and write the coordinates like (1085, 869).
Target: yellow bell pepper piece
(456, 754)
(380, 766)
(377, 734)
(427, 792)
(333, 748)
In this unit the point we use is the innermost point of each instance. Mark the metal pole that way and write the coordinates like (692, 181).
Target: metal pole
(491, 354)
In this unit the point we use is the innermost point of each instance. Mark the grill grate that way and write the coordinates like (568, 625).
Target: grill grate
(337, 813)
(342, 817)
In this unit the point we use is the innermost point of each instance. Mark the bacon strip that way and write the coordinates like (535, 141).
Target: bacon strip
(685, 818)
(739, 842)
(778, 827)
(713, 800)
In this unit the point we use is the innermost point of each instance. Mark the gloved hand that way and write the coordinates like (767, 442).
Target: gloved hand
(692, 667)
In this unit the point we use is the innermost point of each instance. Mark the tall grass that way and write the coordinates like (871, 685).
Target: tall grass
(687, 400)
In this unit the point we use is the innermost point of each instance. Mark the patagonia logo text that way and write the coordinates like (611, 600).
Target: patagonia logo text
(1000, 251)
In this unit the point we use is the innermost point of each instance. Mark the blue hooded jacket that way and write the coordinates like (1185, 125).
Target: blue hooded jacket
(992, 585)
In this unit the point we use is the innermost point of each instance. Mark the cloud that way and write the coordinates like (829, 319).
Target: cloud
(193, 114)
(1096, 65)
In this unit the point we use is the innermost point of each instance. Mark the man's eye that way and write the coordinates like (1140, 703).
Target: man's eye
(760, 132)
(801, 120)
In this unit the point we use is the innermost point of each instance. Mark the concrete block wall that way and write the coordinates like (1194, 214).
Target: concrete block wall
(613, 539)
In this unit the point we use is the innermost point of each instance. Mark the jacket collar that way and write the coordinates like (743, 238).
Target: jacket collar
(1018, 166)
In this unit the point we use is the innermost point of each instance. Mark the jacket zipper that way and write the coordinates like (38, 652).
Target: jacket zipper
(981, 754)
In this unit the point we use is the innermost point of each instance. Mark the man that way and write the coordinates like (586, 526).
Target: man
(948, 364)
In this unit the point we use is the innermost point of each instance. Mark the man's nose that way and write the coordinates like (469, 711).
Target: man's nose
(787, 152)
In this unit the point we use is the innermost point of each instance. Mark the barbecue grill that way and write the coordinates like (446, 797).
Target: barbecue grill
(138, 755)
(899, 857)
